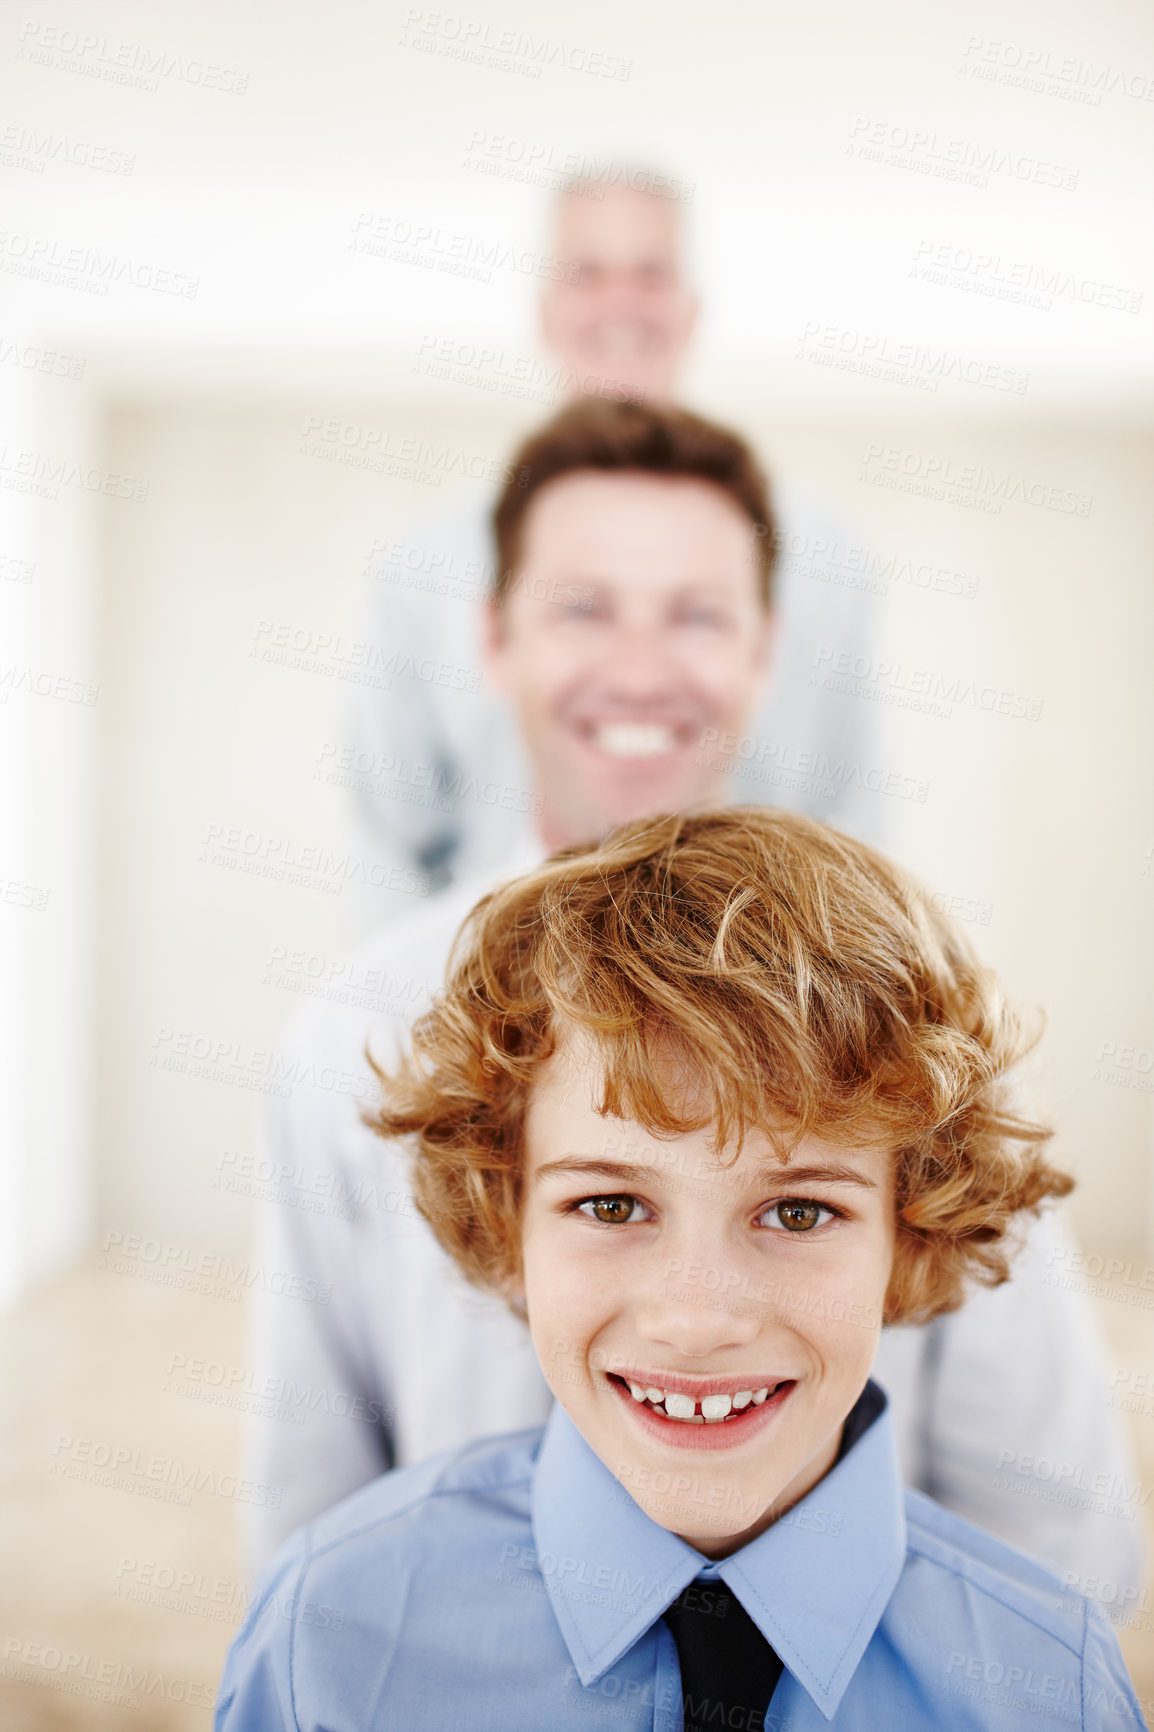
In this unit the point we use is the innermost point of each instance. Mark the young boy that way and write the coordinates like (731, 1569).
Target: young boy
(708, 1104)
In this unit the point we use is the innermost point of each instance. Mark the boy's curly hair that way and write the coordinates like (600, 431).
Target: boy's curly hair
(804, 981)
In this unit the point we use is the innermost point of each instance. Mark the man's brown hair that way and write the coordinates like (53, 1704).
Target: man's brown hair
(804, 984)
(642, 438)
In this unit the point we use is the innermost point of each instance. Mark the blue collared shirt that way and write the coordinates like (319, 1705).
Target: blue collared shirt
(515, 1586)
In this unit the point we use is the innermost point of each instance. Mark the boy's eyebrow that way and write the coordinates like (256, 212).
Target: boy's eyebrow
(831, 1174)
(834, 1173)
(596, 1169)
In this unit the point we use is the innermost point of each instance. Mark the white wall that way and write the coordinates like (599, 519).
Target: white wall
(49, 731)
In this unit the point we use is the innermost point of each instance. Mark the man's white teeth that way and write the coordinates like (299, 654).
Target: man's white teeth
(714, 1408)
(621, 342)
(635, 739)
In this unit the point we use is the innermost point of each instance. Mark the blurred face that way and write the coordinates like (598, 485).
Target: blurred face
(707, 1328)
(624, 323)
(632, 624)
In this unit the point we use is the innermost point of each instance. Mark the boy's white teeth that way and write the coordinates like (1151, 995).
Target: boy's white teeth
(714, 1408)
(634, 739)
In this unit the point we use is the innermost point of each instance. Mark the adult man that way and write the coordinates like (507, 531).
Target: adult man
(630, 631)
(618, 321)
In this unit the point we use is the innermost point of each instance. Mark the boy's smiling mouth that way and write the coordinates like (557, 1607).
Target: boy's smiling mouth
(716, 1406)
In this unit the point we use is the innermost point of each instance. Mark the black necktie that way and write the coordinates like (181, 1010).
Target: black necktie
(728, 1669)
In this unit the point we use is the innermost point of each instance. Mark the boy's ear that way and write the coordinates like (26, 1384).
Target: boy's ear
(512, 1291)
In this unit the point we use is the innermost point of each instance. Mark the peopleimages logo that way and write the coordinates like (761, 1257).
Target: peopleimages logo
(24, 147)
(47, 259)
(43, 475)
(127, 1468)
(541, 163)
(1022, 282)
(926, 151)
(1030, 67)
(961, 483)
(878, 356)
(482, 44)
(385, 236)
(132, 63)
(182, 1266)
(24, 1660)
(233, 1062)
(925, 689)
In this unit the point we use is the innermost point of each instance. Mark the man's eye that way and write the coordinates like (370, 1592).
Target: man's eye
(798, 1215)
(700, 613)
(612, 1211)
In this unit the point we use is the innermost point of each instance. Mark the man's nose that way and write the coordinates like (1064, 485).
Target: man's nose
(624, 286)
(637, 661)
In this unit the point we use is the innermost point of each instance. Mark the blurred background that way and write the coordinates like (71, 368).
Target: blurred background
(248, 250)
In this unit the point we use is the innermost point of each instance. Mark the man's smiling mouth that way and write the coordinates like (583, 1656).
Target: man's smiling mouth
(634, 739)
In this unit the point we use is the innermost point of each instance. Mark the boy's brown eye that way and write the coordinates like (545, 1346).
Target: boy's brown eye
(612, 1210)
(800, 1216)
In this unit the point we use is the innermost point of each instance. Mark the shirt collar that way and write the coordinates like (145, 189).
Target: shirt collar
(815, 1584)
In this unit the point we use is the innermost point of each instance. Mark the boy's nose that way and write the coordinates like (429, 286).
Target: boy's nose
(700, 1316)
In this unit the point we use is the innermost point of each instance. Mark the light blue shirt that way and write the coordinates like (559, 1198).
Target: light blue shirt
(515, 1586)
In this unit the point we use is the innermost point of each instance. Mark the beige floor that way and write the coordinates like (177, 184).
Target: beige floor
(117, 1605)
(88, 1363)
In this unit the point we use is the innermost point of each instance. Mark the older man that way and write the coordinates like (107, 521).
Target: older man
(617, 322)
